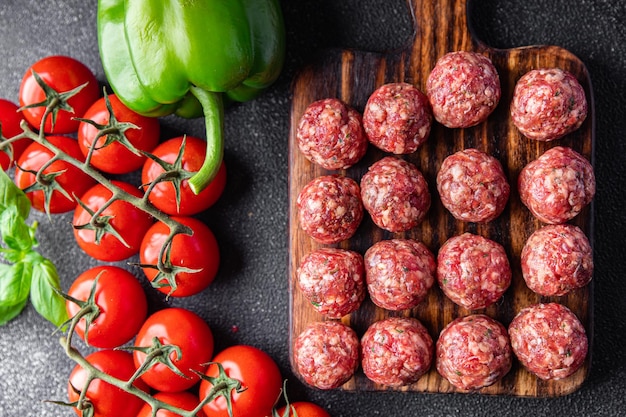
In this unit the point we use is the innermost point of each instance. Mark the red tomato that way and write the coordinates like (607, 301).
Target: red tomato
(73, 180)
(115, 158)
(10, 120)
(183, 400)
(197, 252)
(62, 74)
(258, 374)
(182, 328)
(163, 195)
(303, 409)
(121, 302)
(127, 220)
(107, 400)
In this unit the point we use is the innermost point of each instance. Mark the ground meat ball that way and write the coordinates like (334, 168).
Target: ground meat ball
(326, 354)
(330, 208)
(332, 279)
(395, 194)
(399, 273)
(473, 271)
(548, 104)
(473, 352)
(549, 340)
(472, 186)
(396, 351)
(330, 134)
(557, 186)
(463, 89)
(397, 118)
(557, 259)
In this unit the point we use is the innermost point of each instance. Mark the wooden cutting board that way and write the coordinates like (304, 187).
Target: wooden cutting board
(441, 26)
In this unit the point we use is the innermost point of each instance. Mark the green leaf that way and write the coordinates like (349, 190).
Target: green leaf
(48, 302)
(9, 312)
(16, 233)
(14, 283)
(11, 195)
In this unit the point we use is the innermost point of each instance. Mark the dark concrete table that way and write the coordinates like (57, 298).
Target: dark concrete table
(248, 301)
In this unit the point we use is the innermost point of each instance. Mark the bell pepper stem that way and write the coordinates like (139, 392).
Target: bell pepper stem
(213, 110)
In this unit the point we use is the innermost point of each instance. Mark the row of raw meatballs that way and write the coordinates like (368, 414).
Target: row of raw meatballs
(462, 90)
(471, 352)
(472, 186)
(471, 270)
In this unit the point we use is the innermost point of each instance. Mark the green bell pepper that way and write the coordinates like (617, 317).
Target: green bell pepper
(190, 56)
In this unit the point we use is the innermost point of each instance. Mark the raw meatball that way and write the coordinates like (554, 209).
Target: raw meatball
(332, 279)
(548, 104)
(326, 354)
(395, 194)
(330, 134)
(472, 186)
(396, 351)
(463, 89)
(473, 271)
(473, 352)
(557, 259)
(330, 208)
(557, 186)
(549, 340)
(397, 118)
(399, 273)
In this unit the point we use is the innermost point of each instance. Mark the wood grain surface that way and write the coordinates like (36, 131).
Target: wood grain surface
(441, 26)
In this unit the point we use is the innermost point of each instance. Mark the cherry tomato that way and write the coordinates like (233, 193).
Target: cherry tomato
(121, 302)
(198, 252)
(303, 409)
(62, 74)
(183, 400)
(127, 220)
(107, 400)
(10, 119)
(163, 195)
(116, 158)
(182, 328)
(258, 374)
(73, 180)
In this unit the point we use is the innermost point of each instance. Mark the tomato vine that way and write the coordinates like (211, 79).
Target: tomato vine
(30, 269)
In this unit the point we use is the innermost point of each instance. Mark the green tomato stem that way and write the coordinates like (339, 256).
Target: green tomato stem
(213, 109)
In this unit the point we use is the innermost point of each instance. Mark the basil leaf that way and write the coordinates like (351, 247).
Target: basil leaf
(11, 195)
(14, 283)
(9, 312)
(43, 296)
(17, 235)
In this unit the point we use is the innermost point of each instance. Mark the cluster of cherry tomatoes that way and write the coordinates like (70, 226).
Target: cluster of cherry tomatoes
(109, 301)
(122, 317)
(129, 229)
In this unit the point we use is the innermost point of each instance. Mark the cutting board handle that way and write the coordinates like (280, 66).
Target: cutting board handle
(440, 26)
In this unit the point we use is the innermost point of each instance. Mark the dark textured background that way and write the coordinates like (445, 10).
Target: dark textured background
(250, 220)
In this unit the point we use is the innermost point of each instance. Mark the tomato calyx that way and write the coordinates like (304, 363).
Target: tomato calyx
(222, 386)
(156, 353)
(114, 130)
(99, 224)
(172, 172)
(54, 101)
(46, 183)
(89, 310)
(82, 404)
(167, 271)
